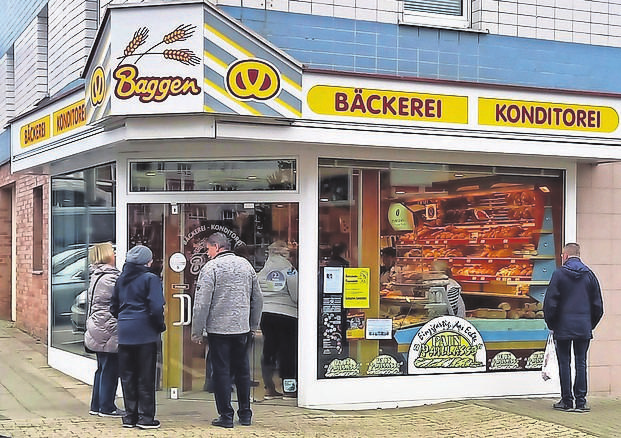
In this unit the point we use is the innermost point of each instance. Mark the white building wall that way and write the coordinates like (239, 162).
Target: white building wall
(7, 85)
(72, 29)
(30, 56)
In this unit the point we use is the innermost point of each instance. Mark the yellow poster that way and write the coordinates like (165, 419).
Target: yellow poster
(356, 288)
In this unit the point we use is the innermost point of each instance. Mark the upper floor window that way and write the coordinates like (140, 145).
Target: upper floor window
(445, 13)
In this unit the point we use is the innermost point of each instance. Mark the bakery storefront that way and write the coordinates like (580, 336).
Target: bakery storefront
(422, 219)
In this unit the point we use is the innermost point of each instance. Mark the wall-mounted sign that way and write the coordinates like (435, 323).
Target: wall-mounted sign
(69, 118)
(547, 115)
(447, 344)
(253, 79)
(356, 288)
(35, 132)
(387, 104)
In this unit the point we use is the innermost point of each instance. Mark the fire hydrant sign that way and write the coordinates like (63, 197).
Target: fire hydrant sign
(356, 288)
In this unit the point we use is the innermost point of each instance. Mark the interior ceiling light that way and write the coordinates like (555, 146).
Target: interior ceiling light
(458, 175)
(252, 177)
(544, 189)
(150, 173)
(400, 192)
(324, 199)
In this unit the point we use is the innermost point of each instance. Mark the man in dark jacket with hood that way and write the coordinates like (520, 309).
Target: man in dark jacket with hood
(572, 308)
(138, 304)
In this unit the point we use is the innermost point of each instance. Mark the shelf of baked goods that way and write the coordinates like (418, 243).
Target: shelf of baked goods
(468, 235)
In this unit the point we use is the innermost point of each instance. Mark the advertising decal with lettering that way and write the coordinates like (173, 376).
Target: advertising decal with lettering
(447, 344)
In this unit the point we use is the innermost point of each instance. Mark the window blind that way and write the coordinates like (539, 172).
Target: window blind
(445, 7)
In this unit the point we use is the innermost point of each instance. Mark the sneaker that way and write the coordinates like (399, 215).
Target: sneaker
(561, 406)
(245, 421)
(271, 393)
(93, 412)
(115, 413)
(582, 409)
(155, 424)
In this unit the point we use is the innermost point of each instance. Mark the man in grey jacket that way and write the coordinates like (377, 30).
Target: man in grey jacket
(227, 305)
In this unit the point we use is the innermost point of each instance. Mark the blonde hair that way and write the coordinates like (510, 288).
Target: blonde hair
(279, 247)
(101, 253)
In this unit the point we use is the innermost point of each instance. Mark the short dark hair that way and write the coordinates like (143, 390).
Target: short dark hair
(572, 249)
(219, 239)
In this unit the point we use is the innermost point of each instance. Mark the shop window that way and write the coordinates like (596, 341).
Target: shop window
(219, 176)
(434, 268)
(83, 212)
(37, 229)
(444, 13)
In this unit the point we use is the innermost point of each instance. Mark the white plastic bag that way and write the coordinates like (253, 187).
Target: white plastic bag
(549, 369)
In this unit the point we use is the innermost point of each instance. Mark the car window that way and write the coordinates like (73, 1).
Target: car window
(76, 269)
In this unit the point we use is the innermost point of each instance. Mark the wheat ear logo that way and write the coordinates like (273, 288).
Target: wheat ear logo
(148, 89)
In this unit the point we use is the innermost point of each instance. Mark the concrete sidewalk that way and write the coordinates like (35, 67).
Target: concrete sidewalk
(38, 401)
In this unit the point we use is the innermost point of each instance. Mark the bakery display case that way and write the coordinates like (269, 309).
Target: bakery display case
(497, 243)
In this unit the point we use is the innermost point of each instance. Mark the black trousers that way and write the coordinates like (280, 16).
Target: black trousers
(229, 359)
(280, 347)
(563, 354)
(137, 365)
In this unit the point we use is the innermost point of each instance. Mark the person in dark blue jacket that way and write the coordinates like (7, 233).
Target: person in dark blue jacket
(138, 304)
(572, 308)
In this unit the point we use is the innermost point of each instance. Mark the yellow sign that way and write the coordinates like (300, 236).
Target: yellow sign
(253, 79)
(70, 117)
(97, 86)
(386, 104)
(35, 132)
(547, 115)
(356, 288)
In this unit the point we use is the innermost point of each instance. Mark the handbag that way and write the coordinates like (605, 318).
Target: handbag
(549, 369)
(90, 307)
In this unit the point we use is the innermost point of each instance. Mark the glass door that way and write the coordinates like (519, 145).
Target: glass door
(177, 234)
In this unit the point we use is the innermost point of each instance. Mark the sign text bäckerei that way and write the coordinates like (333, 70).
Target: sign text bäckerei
(385, 104)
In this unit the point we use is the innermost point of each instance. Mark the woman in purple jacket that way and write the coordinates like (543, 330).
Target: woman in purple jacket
(138, 303)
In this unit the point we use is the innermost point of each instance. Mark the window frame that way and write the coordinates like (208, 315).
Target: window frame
(463, 21)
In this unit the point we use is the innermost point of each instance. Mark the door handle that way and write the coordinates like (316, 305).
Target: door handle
(185, 318)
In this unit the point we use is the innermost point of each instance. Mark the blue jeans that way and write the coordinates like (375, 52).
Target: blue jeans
(563, 353)
(106, 380)
(229, 359)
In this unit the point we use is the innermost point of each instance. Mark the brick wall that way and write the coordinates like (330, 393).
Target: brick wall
(599, 222)
(31, 288)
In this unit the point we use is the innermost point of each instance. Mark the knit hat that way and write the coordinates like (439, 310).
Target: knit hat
(139, 254)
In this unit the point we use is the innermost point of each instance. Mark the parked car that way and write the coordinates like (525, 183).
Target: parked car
(78, 312)
(69, 279)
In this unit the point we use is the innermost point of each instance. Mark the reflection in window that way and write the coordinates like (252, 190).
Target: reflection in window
(226, 176)
(83, 213)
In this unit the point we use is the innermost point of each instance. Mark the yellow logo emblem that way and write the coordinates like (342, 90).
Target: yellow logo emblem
(97, 87)
(253, 79)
